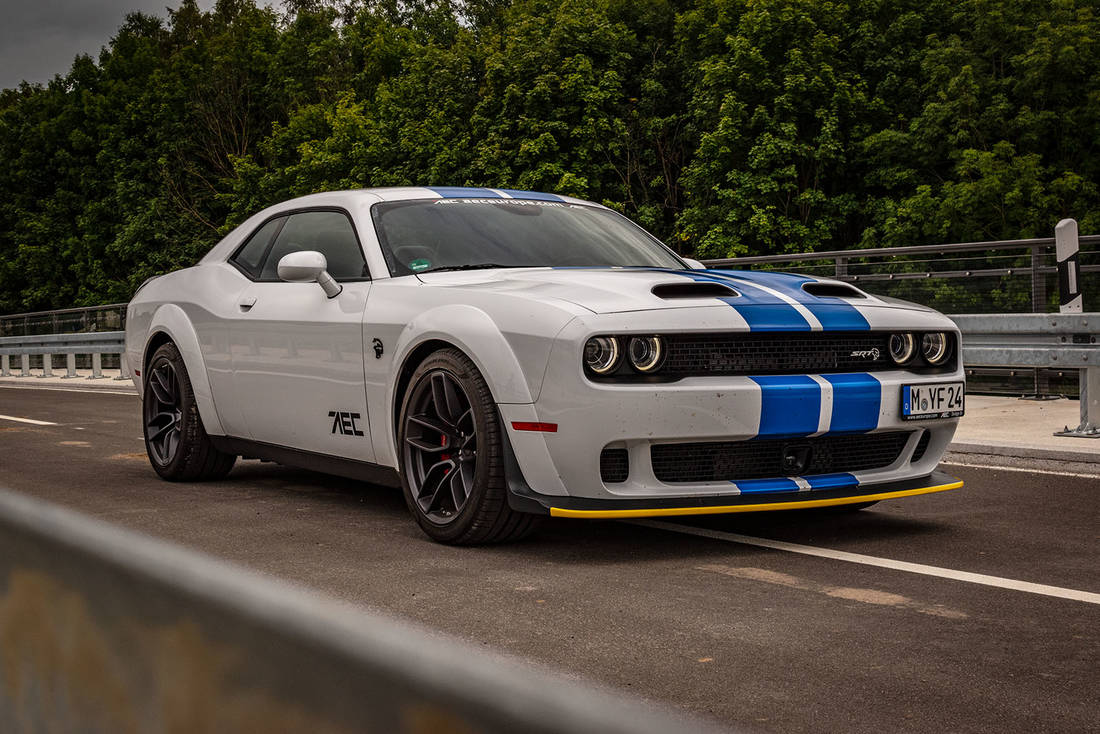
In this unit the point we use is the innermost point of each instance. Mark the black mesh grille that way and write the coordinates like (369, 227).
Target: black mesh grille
(614, 466)
(758, 459)
(771, 354)
(922, 446)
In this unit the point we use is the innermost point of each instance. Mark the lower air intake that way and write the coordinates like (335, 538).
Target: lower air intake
(614, 466)
(763, 458)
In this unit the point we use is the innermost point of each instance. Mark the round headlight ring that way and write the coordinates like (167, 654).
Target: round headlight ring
(601, 354)
(902, 347)
(646, 353)
(933, 347)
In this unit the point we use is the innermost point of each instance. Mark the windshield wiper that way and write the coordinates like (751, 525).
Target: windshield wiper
(471, 266)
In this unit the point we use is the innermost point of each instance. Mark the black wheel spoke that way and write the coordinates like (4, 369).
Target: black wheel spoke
(428, 422)
(433, 482)
(459, 488)
(425, 445)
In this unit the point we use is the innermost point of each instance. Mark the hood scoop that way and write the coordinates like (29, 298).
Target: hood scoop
(832, 290)
(693, 289)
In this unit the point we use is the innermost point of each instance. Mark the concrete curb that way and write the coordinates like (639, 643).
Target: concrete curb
(1021, 452)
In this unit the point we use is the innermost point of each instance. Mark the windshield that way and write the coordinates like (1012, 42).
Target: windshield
(450, 234)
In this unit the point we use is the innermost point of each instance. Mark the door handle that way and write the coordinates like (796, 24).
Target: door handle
(247, 303)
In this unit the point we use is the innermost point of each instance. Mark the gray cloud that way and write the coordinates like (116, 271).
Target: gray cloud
(40, 38)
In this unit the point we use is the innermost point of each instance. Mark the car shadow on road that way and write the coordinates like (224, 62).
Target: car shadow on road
(599, 541)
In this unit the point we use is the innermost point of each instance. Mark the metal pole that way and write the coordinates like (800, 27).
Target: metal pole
(123, 368)
(5, 365)
(70, 366)
(97, 367)
(47, 366)
(1067, 247)
(25, 365)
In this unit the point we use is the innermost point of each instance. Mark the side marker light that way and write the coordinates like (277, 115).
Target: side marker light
(532, 426)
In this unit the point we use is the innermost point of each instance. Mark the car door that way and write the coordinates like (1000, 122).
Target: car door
(297, 354)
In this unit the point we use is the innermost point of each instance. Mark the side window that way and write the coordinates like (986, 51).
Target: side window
(249, 257)
(329, 233)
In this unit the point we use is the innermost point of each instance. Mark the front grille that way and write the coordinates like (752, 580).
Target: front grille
(614, 466)
(763, 458)
(775, 354)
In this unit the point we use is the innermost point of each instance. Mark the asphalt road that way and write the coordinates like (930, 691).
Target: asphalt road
(757, 638)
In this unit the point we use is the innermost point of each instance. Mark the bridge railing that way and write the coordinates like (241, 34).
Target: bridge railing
(105, 630)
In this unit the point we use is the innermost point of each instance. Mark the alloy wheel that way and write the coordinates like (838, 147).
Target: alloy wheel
(440, 446)
(163, 412)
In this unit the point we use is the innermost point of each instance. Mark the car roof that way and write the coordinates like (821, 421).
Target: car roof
(354, 198)
(404, 193)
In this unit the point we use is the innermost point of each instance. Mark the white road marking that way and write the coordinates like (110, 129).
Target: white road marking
(87, 390)
(26, 420)
(946, 573)
(1024, 469)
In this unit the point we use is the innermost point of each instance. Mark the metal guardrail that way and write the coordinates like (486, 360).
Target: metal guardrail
(109, 317)
(47, 345)
(105, 630)
(1041, 340)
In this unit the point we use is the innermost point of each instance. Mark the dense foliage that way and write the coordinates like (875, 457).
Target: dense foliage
(725, 126)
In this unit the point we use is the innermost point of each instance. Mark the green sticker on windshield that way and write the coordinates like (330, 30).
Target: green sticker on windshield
(420, 264)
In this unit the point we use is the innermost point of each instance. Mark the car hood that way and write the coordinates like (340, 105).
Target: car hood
(619, 290)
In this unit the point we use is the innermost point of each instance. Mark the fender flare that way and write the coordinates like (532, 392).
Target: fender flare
(171, 320)
(473, 332)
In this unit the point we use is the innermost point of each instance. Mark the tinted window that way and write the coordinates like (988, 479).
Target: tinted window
(329, 233)
(423, 235)
(251, 255)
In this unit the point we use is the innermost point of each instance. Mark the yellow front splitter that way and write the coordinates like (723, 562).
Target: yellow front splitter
(761, 507)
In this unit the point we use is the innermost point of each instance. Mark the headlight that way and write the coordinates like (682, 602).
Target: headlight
(601, 354)
(933, 347)
(902, 347)
(645, 353)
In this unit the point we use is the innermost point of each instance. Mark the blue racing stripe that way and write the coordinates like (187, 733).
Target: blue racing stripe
(763, 486)
(857, 399)
(835, 314)
(789, 405)
(761, 311)
(464, 192)
(831, 481)
(533, 195)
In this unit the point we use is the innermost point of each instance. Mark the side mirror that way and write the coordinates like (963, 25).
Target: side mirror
(694, 264)
(308, 266)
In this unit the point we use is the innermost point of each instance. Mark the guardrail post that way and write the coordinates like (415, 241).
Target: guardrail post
(47, 366)
(1090, 406)
(70, 367)
(123, 369)
(24, 365)
(5, 365)
(97, 367)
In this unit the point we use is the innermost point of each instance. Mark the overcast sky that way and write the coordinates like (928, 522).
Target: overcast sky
(40, 38)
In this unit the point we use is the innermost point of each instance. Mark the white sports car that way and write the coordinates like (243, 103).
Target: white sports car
(507, 355)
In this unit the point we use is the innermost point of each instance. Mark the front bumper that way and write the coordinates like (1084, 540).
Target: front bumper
(524, 499)
(636, 417)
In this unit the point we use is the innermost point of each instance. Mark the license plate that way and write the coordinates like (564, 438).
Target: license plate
(937, 400)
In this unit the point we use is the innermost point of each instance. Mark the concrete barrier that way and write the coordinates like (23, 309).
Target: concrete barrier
(104, 630)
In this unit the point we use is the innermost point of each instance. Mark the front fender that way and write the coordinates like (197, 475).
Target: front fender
(512, 366)
(170, 319)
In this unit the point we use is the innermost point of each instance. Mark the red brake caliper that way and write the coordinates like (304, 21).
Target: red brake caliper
(444, 457)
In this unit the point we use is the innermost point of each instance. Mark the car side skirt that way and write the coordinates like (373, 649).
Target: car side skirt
(350, 468)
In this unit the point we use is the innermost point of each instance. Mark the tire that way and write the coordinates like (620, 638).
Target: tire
(459, 496)
(175, 440)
